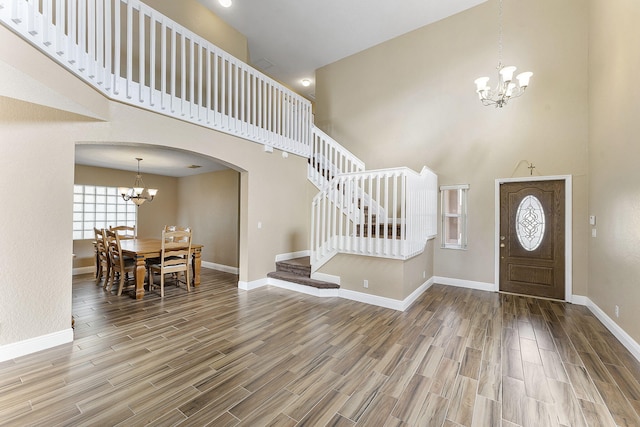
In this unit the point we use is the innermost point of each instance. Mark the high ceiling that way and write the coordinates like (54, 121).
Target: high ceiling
(288, 40)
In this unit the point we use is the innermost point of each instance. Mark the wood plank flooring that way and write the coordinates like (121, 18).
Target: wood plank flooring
(221, 356)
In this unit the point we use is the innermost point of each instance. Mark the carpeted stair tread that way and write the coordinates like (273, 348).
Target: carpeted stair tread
(298, 270)
(302, 280)
(301, 266)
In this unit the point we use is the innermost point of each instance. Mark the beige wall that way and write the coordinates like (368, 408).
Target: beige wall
(209, 203)
(406, 102)
(200, 20)
(37, 146)
(411, 102)
(152, 217)
(386, 278)
(614, 193)
(36, 170)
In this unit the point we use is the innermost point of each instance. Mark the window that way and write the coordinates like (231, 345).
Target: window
(99, 207)
(530, 223)
(454, 216)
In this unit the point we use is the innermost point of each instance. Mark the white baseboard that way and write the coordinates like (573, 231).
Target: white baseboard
(32, 345)
(622, 336)
(394, 304)
(292, 255)
(205, 264)
(400, 305)
(255, 284)
(470, 284)
(83, 270)
(626, 340)
(326, 278)
(221, 267)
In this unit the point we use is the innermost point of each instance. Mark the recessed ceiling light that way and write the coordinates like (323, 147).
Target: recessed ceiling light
(225, 3)
(306, 82)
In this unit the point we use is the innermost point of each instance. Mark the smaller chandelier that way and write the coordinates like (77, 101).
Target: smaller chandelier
(138, 194)
(506, 88)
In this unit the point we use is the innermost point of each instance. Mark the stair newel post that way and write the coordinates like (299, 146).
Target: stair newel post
(378, 215)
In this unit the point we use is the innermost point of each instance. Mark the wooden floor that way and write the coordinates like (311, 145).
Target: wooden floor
(222, 356)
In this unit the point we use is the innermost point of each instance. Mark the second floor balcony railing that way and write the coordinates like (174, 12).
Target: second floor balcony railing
(134, 54)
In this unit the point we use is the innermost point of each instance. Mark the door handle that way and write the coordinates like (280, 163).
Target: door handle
(502, 237)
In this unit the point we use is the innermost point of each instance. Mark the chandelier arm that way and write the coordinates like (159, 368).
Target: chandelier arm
(132, 194)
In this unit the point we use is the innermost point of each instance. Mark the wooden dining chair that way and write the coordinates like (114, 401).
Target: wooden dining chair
(119, 263)
(174, 258)
(176, 228)
(102, 257)
(124, 231)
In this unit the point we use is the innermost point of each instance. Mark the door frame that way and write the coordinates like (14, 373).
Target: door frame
(568, 221)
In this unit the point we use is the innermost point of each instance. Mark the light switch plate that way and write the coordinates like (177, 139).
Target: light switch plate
(592, 219)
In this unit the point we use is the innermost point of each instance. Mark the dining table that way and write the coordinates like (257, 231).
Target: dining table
(142, 249)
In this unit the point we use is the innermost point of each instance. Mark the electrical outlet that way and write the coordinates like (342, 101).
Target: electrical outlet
(366, 283)
(617, 311)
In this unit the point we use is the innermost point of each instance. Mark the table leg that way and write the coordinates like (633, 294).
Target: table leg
(196, 265)
(140, 272)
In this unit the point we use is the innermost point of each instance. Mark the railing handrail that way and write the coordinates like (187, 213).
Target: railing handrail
(345, 152)
(397, 226)
(327, 158)
(201, 83)
(198, 82)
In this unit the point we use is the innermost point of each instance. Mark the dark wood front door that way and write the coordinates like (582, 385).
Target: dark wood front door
(532, 238)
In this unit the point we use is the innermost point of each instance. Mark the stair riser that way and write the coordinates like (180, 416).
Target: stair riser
(292, 268)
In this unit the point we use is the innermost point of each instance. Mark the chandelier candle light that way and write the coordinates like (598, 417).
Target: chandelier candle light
(138, 194)
(506, 88)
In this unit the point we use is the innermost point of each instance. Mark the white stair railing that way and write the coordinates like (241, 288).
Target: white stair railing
(134, 54)
(339, 224)
(328, 158)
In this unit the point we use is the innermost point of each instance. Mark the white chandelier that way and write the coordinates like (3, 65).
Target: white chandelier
(506, 88)
(138, 194)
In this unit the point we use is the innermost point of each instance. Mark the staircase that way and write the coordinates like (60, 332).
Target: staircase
(133, 54)
(298, 270)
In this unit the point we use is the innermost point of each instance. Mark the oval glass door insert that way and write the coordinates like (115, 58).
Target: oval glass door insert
(530, 223)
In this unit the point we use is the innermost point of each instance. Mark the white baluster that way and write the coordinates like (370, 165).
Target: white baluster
(163, 65)
(109, 77)
(152, 58)
(60, 29)
(117, 27)
(91, 30)
(141, 55)
(129, 75)
(191, 77)
(47, 21)
(173, 70)
(209, 72)
(31, 17)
